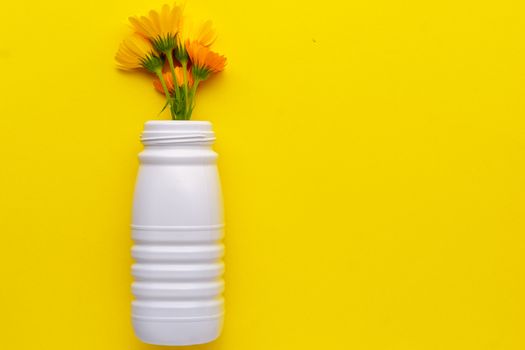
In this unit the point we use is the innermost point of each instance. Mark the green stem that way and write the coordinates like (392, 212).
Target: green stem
(164, 87)
(169, 55)
(187, 113)
(192, 96)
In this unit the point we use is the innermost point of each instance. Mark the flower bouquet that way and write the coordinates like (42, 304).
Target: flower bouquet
(165, 44)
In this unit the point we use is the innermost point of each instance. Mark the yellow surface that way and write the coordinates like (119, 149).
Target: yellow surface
(372, 159)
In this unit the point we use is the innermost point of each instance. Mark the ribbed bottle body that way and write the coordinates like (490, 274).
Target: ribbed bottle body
(177, 228)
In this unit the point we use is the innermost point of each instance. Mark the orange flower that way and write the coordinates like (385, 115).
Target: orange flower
(168, 78)
(204, 33)
(204, 61)
(163, 24)
(136, 52)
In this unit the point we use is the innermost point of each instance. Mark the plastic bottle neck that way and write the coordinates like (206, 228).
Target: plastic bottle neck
(170, 133)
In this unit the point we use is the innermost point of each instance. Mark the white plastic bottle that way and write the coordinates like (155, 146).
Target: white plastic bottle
(177, 230)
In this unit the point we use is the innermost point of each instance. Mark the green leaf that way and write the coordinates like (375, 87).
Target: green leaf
(163, 108)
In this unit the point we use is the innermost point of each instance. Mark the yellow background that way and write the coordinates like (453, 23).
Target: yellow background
(372, 159)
